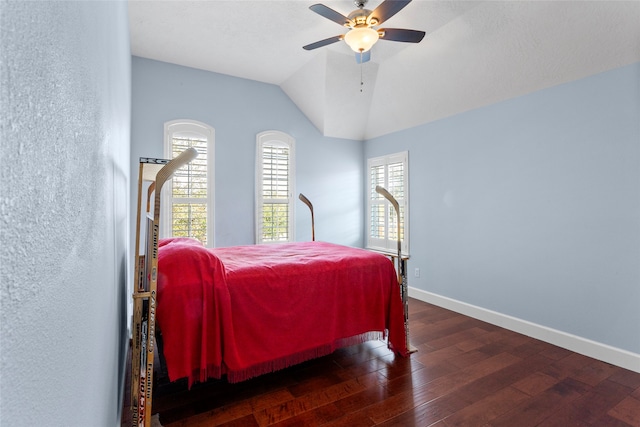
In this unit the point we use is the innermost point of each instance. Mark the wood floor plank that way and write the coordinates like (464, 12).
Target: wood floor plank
(358, 401)
(433, 357)
(568, 366)
(609, 421)
(486, 409)
(319, 416)
(627, 411)
(590, 407)
(500, 379)
(454, 335)
(535, 410)
(536, 383)
(425, 414)
(248, 421)
(627, 378)
(595, 372)
(351, 420)
(310, 401)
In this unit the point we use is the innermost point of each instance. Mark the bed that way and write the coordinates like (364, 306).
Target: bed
(244, 311)
(248, 310)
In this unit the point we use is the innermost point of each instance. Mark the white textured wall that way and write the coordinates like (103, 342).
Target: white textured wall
(64, 180)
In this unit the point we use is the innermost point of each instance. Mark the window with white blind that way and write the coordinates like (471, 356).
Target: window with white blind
(188, 201)
(392, 173)
(274, 187)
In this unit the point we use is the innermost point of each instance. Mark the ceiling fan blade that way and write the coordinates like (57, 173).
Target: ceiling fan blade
(387, 9)
(362, 57)
(331, 14)
(401, 35)
(323, 42)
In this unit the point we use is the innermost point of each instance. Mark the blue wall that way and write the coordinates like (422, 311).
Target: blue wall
(531, 207)
(329, 171)
(65, 99)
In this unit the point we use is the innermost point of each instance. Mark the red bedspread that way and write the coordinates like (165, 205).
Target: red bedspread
(248, 310)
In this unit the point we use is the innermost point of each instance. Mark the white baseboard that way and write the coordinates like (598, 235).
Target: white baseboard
(596, 350)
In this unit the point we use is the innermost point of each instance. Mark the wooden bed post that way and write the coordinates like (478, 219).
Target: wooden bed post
(156, 172)
(402, 263)
(308, 203)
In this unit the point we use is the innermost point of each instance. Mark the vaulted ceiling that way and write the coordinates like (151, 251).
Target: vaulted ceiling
(475, 53)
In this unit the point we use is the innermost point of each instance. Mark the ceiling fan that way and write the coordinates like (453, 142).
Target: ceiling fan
(361, 35)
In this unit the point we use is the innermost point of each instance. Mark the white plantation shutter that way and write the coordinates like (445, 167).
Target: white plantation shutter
(188, 211)
(390, 172)
(274, 187)
(377, 206)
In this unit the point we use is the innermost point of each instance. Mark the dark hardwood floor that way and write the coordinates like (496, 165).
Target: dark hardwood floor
(465, 373)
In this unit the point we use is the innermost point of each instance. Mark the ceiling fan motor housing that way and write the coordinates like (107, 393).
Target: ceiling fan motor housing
(362, 18)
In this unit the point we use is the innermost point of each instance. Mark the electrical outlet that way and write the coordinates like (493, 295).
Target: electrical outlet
(417, 272)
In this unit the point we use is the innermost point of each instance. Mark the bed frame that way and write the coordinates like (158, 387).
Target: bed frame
(153, 173)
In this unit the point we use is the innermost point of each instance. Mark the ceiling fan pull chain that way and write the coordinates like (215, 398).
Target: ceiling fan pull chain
(361, 65)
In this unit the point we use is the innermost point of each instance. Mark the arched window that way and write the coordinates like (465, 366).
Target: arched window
(274, 187)
(188, 207)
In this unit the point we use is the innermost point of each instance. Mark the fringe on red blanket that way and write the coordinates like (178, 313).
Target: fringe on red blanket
(212, 371)
(202, 375)
(303, 356)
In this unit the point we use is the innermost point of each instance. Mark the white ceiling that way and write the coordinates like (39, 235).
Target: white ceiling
(475, 53)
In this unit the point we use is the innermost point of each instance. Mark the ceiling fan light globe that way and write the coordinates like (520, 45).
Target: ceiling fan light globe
(361, 39)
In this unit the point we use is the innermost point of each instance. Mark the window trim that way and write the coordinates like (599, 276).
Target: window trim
(387, 245)
(274, 138)
(192, 127)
